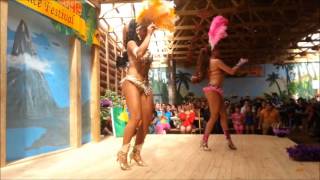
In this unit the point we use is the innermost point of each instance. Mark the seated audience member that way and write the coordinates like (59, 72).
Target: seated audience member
(162, 123)
(186, 126)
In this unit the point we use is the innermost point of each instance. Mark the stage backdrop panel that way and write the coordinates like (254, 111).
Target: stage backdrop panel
(159, 82)
(85, 91)
(38, 85)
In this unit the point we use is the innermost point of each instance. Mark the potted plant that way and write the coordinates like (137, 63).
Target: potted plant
(109, 100)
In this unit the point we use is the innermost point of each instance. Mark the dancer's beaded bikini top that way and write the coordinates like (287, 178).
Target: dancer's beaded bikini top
(146, 58)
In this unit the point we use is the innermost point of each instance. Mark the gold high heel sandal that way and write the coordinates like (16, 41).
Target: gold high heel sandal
(231, 146)
(204, 146)
(122, 159)
(135, 155)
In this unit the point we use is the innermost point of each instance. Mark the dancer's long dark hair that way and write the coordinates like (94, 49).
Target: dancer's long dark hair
(129, 34)
(203, 63)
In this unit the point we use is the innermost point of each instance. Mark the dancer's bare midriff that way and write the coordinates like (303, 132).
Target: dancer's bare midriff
(216, 75)
(137, 73)
(139, 68)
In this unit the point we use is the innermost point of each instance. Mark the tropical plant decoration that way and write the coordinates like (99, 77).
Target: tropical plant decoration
(107, 101)
(273, 79)
(183, 78)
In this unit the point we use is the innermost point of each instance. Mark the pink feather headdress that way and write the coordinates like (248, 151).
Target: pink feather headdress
(217, 30)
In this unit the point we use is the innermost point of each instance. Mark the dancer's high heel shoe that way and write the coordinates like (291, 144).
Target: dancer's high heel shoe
(204, 146)
(231, 146)
(122, 159)
(135, 155)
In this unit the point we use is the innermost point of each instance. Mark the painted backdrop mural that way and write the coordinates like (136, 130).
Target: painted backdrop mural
(237, 86)
(159, 82)
(38, 85)
(85, 91)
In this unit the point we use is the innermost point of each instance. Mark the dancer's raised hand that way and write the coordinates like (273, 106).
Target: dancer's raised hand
(243, 61)
(151, 28)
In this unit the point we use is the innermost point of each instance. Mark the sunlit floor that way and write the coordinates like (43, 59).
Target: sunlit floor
(172, 157)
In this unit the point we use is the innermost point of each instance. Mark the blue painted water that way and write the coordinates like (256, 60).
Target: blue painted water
(20, 139)
(86, 138)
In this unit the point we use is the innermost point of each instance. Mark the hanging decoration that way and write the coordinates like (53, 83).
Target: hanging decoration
(87, 13)
(70, 17)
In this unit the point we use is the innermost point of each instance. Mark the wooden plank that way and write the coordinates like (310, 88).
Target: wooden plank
(257, 157)
(75, 93)
(107, 58)
(3, 79)
(116, 74)
(112, 63)
(102, 55)
(232, 10)
(103, 67)
(102, 82)
(95, 95)
(103, 75)
(185, 27)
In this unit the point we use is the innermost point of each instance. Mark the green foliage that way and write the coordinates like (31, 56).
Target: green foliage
(164, 90)
(302, 88)
(117, 101)
(89, 15)
(104, 113)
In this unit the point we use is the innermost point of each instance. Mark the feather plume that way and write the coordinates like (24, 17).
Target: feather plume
(217, 30)
(161, 13)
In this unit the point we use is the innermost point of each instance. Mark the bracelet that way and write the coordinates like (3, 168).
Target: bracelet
(239, 64)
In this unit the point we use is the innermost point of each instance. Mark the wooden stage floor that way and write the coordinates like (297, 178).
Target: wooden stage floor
(172, 157)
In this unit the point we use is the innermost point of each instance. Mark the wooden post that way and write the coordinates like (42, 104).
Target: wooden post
(3, 79)
(199, 121)
(75, 93)
(115, 59)
(172, 80)
(95, 95)
(107, 60)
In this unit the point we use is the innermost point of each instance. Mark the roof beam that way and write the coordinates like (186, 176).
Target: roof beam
(119, 1)
(232, 10)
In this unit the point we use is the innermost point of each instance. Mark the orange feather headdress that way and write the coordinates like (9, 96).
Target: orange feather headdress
(161, 13)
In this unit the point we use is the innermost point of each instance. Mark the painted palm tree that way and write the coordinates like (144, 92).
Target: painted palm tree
(272, 79)
(183, 78)
(288, 68)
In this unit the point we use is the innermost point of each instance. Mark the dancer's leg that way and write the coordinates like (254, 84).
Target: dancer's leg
(241, 129)
(214, 101)
(247, 129)
(224, 125)
(251, 127)
(189, 129)
(147, 108)
(133, 102)
(182, 129)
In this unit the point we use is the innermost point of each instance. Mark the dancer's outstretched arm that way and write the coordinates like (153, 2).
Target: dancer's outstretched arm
(232, 70)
